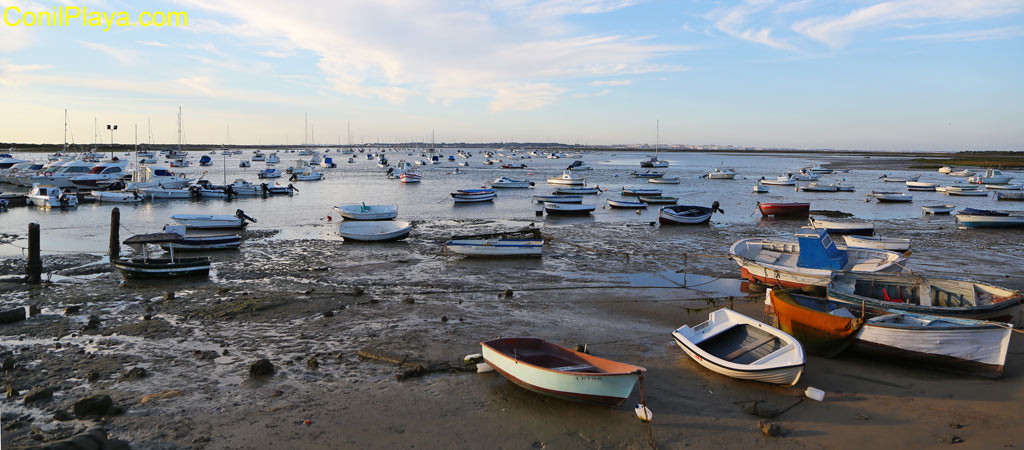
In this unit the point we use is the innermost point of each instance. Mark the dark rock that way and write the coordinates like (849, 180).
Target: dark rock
(135, 373)
(92, 376)
(444, 318)
(953, 439)
(328, 313)
(8, 364)
(357, 291)
(62, 415)
(761, 410)
(37, 394)
(307, 291)
(409, 300)
(94, 323)
(34, 310)
(277, 393)
(84, 442)
(96, 405)
(509, 293)
(261, 368)
(204, 355)
(312, 363)
(769, 428)
(169, 295)
(224, 353)
(147, 317)
(72, 309)
(223, 290)
(11, 392)
(57, 345)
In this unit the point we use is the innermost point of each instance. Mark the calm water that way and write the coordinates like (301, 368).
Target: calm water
(304, 215)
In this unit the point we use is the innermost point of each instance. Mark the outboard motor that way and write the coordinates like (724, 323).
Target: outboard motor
(291, 187)
(714, 207)
(241, 215)
(195, 191)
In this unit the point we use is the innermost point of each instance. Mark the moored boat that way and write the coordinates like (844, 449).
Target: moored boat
(664, 180)
(897, 179)
(474, 195)
(938, 209)
(556, 371)
(991, 176)
(844, 226)
(506, 182)
(883, 243)
(214, 221)
(116, 196)
(46, 196)
(525, 242)
(939, 296)
(375, 231)
(171, 267)
(568, 208)
(638, 192)
(687, 214)
(784, 209)
(819, 187)
(1010, 196)
(577, 191)
(965, 192)
(567, 179)
(984, 218)
(558, 198)
(200, 243)
(659, 199)
(647, 174)
(737, 346)
(782, 180)
(721, 174)
(362, 211)
(626, 204)
(891, 197)
(921, 186)
(808, 320)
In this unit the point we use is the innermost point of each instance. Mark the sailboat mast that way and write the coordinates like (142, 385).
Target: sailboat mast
(657, 139)
(65, 130)
(179, 128)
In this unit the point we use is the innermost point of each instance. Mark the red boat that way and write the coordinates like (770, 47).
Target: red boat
(784, 209)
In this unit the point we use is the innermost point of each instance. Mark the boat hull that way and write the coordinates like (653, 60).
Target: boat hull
(496, 247)
(164, 268)
(980, 349)
(784, 209)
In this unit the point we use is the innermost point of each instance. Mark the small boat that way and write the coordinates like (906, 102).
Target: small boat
(259, 156)
(891, 197)
(116, 196)
(205, 161)
(812, 321)
(945, 169)
(556, 371)
(146, 267)
(269, 172)
(506, 182)
(664, 180)
(558, 198)
(782, 180)
(576, 191)
(1010, 196)
(524, 242)
(984, 218)
(687, 214)
(817, 187)
(882, 243)
(810, 260)
(568, 208)
(273, 158)
(991, 176)
(758, 189)
(277, 189)
(938, 296)
(244, 163)
(568, 179)
(965, 192)
(474, 195)
(626, 204)
(654, 162)
(737, 346)
(376, 231)
(1001, 187)
(784, 209)
(211, 221)
(806, 175)
(938, 209)
(410, 177)
(819, 170)
(721, 174)
(161, 193)
(578, 165)
(659, 199)
(636, 192)
(921, 186)
(895, 179)
(647, 174)
(362, 211)
(844, 227)
(200, 243)
(513, 166)
(51, 197)
(307, 175)
(960, 186)
(963, 173)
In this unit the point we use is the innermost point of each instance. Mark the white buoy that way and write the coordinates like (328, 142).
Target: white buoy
(472, 358)
(484, 367)
(815, 393)
(643, 413)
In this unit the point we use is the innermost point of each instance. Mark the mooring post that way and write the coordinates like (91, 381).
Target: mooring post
(115, 240)
(34, 268)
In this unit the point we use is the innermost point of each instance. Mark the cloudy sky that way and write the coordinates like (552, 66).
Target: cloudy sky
(859, 74)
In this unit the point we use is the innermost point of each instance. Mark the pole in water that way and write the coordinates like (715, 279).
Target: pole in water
(115, 240)
(34, 268)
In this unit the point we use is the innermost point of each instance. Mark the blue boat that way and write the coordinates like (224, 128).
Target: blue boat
(984, 218)
(205, 161)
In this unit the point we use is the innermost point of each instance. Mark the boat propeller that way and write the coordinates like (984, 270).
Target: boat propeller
(241, 215)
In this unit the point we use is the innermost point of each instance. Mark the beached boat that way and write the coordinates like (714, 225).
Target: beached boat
(737, 346)
(647, 174)
(525, 242)
(721, 174)
(568, 208)
(897, 179)
(636, 192)
(577, 191)
(362, 211)
(200, 243)
(985, 218)
(513, 166)
(784, 209)
(307, 175)
(578, 166)
(244, 163)
(273, 158)
(991, 176)
(882, 243)
(269, 172)
(146, 267)
(558, 198)
(921, 186)
(819, 187)
(939, 296)
(506, 182)
(808, 319)
(376, 231)
(567, 179)
(664, 180)
(1010, 196)
(659, 199)
(116, 196)
(758, 189)
(259, 156)
(409, 176)
(556, 371)
(474, 195)
(963, 173)
(626, 204)
(965, 192)
(1005, 187)
(782, 180)
(214, 221)
(844, 226)
(46, 196)
(891, 197)
(687, 214)
(810, 260)
(938, 209)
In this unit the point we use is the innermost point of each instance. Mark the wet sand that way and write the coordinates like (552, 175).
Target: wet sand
(619, 291)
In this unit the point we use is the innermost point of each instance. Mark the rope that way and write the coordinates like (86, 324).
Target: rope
(647, 423)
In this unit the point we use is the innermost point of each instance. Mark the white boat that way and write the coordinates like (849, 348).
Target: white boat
(882, 243)
(810, 260)
(362, 211)
(921, 186)
(983, 218)
(578, 166)
(945, 169)
(568, 179)
(758, 189)
(61, 176)
(180, 163)
(664, 180)
(737, 346)
(966, 192)
(818, 187)
(558, 198)
(844, 226)
(991, 176)
(782, 180)
(891, 197)
(721, 174)
(474, 195)
(102, 174)
(1005, 187)
(626, 204)
(273, 158)
(307, 175)
(819, 170)
(269, 172)
(960, 186)
(938, 209)
(895, 179)
(157, 177)
(496, 247)
(568, 208)
(213, 221)
(963, 173)
(806, 175)
(117, 196)
(556, 371)
(155, 193)
(506, 182)
(46, 196)
(687, 214)
(410, 176)
(259, 156)
(374, 230)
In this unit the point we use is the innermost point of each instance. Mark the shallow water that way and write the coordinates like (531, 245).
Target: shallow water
(304, 215)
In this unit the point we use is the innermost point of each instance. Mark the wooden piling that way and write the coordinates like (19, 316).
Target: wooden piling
(34, 268)
(115, 237)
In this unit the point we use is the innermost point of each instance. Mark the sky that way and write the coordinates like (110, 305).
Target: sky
(841, 74)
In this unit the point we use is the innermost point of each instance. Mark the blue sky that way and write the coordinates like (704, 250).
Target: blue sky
(852, 74)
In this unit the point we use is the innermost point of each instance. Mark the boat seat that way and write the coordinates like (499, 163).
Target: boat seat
(767, 257)
(579, 368)
(748, 348)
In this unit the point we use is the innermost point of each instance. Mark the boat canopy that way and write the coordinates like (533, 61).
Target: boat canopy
(818, 251)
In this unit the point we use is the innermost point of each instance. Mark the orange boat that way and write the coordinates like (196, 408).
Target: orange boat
(804, 318)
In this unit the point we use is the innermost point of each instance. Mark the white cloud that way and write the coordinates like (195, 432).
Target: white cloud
(837, 31)
(153, 43)
(525, 97)
(123, 56)
(611, 82)
(735, 21)
(967, 36)
(15, 74)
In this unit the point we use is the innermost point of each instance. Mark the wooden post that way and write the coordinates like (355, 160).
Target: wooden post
(115, 239)
(34, 268)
